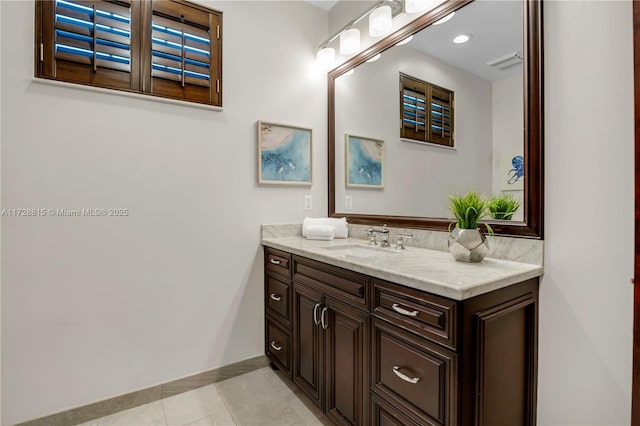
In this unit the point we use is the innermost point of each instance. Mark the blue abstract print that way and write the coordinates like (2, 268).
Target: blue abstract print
(364, 162)
(286, 154)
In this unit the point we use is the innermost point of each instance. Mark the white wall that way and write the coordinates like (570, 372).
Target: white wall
(96, 307)
(586, 304)
(508, 123)
(367, 104)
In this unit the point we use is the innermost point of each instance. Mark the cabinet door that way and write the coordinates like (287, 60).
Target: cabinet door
(307, 349)
(346, 353)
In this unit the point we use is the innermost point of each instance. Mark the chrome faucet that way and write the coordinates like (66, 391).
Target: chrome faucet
(385, 236)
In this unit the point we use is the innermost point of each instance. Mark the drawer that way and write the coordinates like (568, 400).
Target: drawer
(277, 261)
(346, 286)
(430, 316)
(414, 374)
(278, 298)
(384, 414)
(278, 347)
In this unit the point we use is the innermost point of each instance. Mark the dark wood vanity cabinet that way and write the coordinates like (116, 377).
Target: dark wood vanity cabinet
(330, 337)
(370, 352)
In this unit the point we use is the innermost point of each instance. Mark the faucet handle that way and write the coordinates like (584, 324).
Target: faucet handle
(400, 241)
(372, 237)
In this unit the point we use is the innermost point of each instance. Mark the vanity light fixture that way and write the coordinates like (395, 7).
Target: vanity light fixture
(350, 41)
(326, 58)
(380, 23)
(373, 59)
(445, 19)
(405, 41)
(462, 38)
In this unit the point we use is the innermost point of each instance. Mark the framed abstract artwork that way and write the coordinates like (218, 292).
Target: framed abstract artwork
(284, 154)
(364, 166)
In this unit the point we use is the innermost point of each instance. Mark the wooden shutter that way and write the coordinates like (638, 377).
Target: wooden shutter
(89, 42)
(185, 52)
(426, 111)
(441, 115)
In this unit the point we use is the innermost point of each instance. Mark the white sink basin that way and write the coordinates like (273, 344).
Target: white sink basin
(357, 251)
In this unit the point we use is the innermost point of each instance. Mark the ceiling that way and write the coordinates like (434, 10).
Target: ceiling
(496, 30)
(323, 4)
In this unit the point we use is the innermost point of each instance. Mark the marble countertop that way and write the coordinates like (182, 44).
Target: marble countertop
(432, 271)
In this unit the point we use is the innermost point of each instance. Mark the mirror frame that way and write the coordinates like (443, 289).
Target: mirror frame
(532, 226)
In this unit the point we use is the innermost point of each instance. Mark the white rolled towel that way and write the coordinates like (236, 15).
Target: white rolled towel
(321, 232)
(339, 224)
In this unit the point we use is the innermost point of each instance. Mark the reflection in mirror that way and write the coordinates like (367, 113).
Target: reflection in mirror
(486, 76)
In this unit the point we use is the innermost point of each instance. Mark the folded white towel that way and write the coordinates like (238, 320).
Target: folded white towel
(339, 224)
(321, 232)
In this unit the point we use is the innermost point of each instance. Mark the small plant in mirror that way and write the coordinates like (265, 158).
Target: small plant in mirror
(503, 207)
(468, 210)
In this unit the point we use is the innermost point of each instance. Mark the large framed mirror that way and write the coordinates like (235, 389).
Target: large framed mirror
(495, 145)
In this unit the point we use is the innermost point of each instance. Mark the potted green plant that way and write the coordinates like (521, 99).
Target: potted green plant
(467, 242)
(502, 207)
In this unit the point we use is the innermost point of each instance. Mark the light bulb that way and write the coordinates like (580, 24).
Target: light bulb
(462, 38)
(405, 41)
(445, 19)
(326, 57)
(380, 21)
(350, 41)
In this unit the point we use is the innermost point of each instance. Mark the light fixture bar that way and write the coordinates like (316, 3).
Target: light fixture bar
(396, 9)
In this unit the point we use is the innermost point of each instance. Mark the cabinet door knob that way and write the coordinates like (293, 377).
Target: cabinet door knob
(276, 297)
(316, 321)
(412, 380)
(274, 261)
(275, 346)
(403, 311)
(323, 319)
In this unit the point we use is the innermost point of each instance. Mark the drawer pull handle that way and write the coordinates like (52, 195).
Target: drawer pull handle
(316, 321)
(275, 346)
(276, 297)
(402, 311)
(404, 377)
(274, 261)
(322, 319)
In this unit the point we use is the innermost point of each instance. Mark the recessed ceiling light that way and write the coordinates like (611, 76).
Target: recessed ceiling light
(462, 38)
(445, 19)
(373, 59)
(405, 41)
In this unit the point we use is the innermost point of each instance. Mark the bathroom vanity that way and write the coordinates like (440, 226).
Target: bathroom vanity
(384, 337)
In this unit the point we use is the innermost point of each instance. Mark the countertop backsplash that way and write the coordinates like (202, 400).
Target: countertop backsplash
(506, 248)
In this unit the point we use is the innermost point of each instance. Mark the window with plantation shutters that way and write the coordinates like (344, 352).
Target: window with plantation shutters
(181, 57)
(426, 112)
(166, 48)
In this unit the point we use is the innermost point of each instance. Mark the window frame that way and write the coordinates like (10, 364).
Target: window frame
(140, 76)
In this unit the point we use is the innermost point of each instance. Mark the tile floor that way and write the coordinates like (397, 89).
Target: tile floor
(260, 398)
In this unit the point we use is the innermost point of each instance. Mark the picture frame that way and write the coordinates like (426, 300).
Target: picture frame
(284, 154)
(364, 162)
